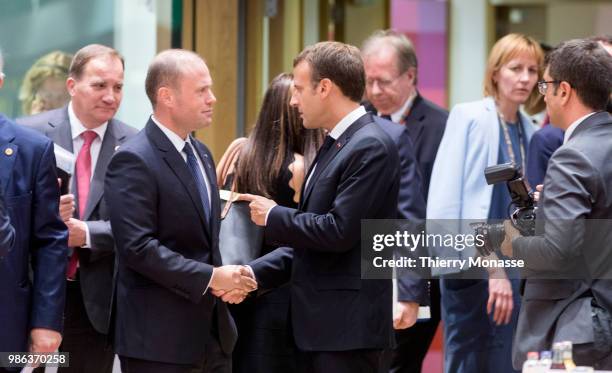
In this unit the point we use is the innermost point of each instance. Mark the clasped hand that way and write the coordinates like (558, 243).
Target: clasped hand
(232, 283)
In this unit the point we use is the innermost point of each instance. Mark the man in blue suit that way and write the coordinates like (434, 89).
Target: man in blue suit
(164, 209)
(341, 322)
(28, 180)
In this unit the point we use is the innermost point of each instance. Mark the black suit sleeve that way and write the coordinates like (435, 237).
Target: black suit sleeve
(7, 232)
(48, 247)
(566, 201)
(102, 241)
(132, 193)
(541, 147)
(365, 172)
(411, 204)
(411, 208)
(273, 269)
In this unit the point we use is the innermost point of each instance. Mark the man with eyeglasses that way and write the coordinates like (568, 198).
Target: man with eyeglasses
(549, 138)
(568, 265)
(391, 76)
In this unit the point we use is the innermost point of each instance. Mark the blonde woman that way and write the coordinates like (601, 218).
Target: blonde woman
(44, 85)
(479, 314)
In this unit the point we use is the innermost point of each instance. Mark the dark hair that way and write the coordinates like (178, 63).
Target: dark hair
(404, 49)
(88, 53)
(166, 69)
(341, 63)
(277, 135)
(587, 67)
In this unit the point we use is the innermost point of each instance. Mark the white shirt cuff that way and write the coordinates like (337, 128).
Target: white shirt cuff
(209, 282)
(87, 237)
(251, 271)
(266, 221)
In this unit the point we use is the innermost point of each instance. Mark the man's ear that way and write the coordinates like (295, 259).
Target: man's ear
(324, 87)
(70, 84)
(165, 96)
(565, 92)
(412, 74)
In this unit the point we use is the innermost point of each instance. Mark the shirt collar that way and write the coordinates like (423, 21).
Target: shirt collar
(175, 139)
(77, 128)
(573, 127)
(346, 122)
(397, 116)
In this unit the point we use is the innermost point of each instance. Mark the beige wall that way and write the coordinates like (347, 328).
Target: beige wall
(576, 19)
(361, 20)
(217, 41)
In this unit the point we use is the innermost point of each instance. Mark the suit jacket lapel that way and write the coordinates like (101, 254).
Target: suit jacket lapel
(107, 149)
(177, 164)
(303, 189)
(335, 149)
(594, 120)
(9, 152)
(60, 132)
(415, 120)
(215, 204)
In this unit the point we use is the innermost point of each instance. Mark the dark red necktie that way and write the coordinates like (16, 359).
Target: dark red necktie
(83, 173)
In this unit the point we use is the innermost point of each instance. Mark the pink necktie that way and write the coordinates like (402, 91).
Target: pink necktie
(83, 173)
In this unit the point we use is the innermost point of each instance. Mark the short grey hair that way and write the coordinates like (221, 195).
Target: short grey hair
(404, 49)
(166, 69)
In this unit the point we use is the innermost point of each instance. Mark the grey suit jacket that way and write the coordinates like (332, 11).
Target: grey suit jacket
(569, 264)
(96, 264)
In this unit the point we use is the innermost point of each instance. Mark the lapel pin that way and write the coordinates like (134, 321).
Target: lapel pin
(8, 151)
(117, 147)
(338, 145)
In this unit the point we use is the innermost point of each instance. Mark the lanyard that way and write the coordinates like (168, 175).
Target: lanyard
(508, 141)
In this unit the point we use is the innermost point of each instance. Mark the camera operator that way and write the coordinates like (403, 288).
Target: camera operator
(567, 294)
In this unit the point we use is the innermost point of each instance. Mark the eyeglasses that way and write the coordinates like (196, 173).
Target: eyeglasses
(382, 83)
(543, 85)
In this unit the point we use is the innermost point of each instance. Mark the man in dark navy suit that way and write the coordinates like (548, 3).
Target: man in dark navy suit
(341, 322)
(391, 78)
(165, 213)
(31, 308)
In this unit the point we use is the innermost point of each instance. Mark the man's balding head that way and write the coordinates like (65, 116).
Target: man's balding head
(167, 68)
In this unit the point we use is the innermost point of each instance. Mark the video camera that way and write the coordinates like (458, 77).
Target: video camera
(522, 218)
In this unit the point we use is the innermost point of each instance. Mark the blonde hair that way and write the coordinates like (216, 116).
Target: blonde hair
(51, 65)
(504, 50)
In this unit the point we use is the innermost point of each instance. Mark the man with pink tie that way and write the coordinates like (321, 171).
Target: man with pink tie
(86, 127)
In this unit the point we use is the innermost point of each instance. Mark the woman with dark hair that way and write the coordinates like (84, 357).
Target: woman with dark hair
(271, 162)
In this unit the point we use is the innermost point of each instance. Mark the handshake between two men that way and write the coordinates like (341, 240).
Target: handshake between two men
(232, 283)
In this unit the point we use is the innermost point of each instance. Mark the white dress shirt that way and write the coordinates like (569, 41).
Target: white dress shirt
(338, 130)
(396, 117)
(573, 127)
(179, 144)
(335, 133)
(76, 129)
